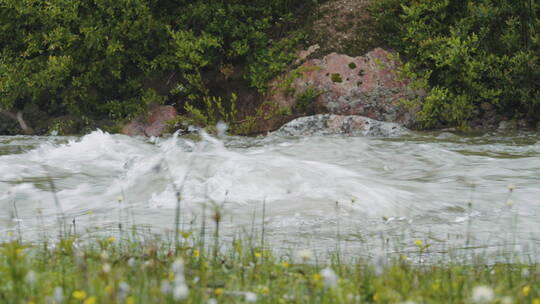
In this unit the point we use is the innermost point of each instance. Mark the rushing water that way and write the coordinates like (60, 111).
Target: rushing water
(448, 190)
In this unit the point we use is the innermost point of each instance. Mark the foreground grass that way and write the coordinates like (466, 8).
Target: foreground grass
(154, 271)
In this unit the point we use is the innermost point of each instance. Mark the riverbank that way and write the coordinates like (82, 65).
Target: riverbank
(151, 269)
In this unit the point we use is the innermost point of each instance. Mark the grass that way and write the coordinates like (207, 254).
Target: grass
(151, 270)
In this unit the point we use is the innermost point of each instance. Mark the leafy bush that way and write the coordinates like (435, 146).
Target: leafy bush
(469, 53)
(99, 58)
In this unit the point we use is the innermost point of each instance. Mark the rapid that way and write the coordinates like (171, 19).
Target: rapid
(447, 190)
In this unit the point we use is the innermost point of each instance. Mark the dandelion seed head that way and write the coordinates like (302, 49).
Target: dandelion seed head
(482, 294)
(180, 292)
(304, 254)
(58, 294)
(165, 287)
(106, 267)
(31, 277)
(507, 300)
(330, 277)
(250, 297)
(131, 262)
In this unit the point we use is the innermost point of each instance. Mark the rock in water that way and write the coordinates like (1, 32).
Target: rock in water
(351, 125)
(155, 124)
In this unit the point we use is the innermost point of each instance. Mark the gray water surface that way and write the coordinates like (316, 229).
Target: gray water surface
(450, 191)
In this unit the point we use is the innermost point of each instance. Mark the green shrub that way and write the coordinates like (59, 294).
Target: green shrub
(469, 53)
(99, 58)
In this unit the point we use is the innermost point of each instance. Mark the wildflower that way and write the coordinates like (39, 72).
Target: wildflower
(180, 292)
(330, 277)
(111, 239)
(106, 267)
(536, 301)
(212, 301)
(79, 294)
(316, 277)
(130, 300)
(218, 291)
(196, 253)
(511, 187)
(58, 294)
(482, 294)
(258, 255)
(31, 277)
(285, 264)
(419, 243)
(526, 290)
(509, 203)
(250, 297)
(131, 262)
(91, 300)
(507, 300)
(304, 254)
(123, 290)
(380, 263)
(165, 287)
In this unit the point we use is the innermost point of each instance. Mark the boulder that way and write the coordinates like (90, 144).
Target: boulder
(155, 123)
(330, 124)
(366, 85)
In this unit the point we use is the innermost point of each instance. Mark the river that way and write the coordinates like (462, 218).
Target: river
(447, 190)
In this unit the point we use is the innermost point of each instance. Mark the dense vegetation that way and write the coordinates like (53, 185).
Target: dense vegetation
(100, 59)
(468, 53)
(90, 63)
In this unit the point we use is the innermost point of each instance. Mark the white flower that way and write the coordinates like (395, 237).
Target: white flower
(180, 292)
(511, 187)
(31, 277)
(507, 300)
(177, 266)
(380, 262)
(165, 287)
(330, 277)
(250, 297)
(58, 294)
(106, 267)
(212, 301)
(131, 262)
(123, 289)
(304, 254)
(482, 294)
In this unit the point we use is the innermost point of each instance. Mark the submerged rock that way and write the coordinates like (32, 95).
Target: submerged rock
(351, 125)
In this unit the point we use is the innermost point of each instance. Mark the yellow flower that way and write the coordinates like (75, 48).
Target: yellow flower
(419, 243)
(79, 294)
(258, 255)
(265, 290)
(284, 264)
(526, 290)
(376, 297)
(218, 291)
(111, 239)
(130, 300)
(109, 289)
(316, 277)
(91, 300)
(196, 253)
(536, 301)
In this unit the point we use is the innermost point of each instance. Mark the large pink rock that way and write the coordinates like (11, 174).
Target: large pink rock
(367, 85)
(155, 123)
